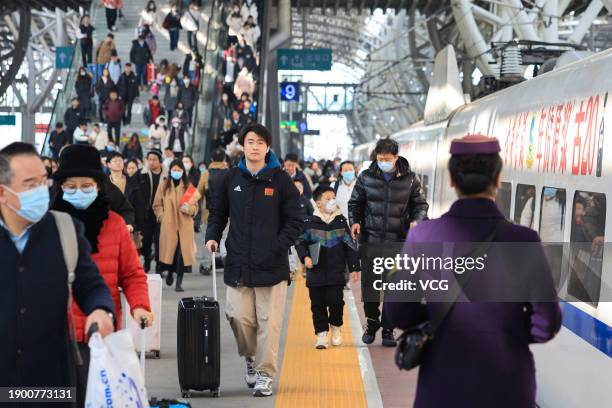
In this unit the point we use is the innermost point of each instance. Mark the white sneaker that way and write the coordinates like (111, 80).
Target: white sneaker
(263, 386)
(321, 340)
(336, 337)
(251, 375)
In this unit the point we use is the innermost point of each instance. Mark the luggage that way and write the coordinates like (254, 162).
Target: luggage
(151, 73)
(153, 333)
(199, 343)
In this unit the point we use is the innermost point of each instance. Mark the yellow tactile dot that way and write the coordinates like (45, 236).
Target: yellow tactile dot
(317, 378)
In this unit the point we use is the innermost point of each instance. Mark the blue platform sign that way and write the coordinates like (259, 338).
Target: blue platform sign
(290, 91)
(310, 59)
(8, 120)
(63, 57)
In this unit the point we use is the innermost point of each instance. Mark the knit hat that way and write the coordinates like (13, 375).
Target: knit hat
(79, 161)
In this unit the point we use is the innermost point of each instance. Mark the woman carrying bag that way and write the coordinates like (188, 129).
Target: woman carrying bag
(175, 206)
(81, 192)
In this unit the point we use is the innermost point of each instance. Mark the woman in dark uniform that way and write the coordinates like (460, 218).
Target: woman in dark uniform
(480, 355)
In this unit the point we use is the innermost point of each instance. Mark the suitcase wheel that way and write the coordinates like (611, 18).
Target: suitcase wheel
(185, 393)
(215, 393)
(156, 354)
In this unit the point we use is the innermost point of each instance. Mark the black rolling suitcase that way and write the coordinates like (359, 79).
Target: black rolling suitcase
(199, 342)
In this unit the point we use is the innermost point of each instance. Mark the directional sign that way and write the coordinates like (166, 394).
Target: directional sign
(8, 120)
(63, 57)
(290, 91)
(311, 59)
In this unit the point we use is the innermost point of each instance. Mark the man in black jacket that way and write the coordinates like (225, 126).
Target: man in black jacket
(72, 117)
(58, 139)
(291, 167)
(386, 201)
(140, 56)
(188, 94)
(35, 350)
(128, 91)
(262, 203)
(149, 181)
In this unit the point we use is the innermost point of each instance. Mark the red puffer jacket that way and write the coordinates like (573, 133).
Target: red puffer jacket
(120, 266)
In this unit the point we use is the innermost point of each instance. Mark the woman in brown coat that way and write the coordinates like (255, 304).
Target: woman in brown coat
(177, 238)
(105, 50)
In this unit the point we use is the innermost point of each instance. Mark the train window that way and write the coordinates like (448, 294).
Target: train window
(524, 205)
(552, 226)
(504, 196)
(425, 184)
(588, 232)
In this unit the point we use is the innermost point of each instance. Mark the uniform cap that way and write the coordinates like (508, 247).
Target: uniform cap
(475, 144)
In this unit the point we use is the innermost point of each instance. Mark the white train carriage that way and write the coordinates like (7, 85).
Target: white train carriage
(556, 136)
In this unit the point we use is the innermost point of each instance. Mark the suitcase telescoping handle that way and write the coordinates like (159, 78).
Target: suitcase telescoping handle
(214, 276)
(92, 329)
(143, 344)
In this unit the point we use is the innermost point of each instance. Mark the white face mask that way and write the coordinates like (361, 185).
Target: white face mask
(187, 166)
(330, 206)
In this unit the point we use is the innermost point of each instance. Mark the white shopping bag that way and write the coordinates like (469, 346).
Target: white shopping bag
(115, 378)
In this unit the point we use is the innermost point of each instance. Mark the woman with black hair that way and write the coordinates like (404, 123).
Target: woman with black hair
(82, 193)
(480, 347)
(84, 90)
(175, 206)
(133, 149)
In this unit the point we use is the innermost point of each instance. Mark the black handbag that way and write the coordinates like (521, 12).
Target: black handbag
(413, 342)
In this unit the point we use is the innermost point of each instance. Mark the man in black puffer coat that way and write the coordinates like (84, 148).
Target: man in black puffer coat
(386, 200)
(262, 203)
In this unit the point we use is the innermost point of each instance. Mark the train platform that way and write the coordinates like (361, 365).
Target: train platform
(352, 375)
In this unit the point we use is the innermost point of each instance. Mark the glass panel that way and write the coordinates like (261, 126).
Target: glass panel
(524, 205)
(552, 226)
(588, 234)
(503, 199)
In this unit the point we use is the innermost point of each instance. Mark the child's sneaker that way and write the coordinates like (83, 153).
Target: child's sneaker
(336, 337)
(321, 340)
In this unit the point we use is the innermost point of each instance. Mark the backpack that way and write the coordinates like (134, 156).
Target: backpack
(70, 251)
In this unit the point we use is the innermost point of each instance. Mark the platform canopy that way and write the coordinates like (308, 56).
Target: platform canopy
(7, 6)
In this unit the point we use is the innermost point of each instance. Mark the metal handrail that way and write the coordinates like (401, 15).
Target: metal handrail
(64, 94)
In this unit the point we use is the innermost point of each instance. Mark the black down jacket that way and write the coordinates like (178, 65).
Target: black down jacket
(385, 209)
(265, 223)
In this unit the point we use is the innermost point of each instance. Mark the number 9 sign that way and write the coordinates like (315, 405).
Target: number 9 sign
(290, 91)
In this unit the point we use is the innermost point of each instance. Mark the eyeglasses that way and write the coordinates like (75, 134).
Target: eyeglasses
(88, 189)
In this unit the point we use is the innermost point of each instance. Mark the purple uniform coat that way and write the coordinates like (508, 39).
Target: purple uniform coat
(480, 356)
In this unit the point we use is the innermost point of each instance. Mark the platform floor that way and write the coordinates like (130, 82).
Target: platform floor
(352, 375)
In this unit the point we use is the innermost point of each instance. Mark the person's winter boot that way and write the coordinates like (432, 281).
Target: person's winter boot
(388, 340)
(321, 340)
(147, 264)
(336, 336)
(369, 331)
(179, 283)
(169, 278)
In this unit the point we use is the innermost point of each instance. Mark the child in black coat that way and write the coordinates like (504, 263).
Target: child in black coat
(327, 230)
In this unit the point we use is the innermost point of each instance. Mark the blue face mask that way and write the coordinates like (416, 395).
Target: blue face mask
(202, 169)
(110, 148)
(176, 175)
(385, 166)
(348, 176)
(33, 204)
(81, 200)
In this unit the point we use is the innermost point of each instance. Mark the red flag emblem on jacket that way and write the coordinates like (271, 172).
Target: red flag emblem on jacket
(269, 191)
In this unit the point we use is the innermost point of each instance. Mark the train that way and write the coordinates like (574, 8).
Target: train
(555, 132)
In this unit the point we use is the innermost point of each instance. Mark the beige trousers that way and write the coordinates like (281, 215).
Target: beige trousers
(256, 316)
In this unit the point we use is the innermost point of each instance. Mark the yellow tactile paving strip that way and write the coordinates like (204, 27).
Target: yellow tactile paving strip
(317, 378)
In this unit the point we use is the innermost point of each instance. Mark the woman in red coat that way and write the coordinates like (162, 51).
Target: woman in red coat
(81, 186)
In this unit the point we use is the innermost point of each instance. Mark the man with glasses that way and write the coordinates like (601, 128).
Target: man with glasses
(35, 349)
